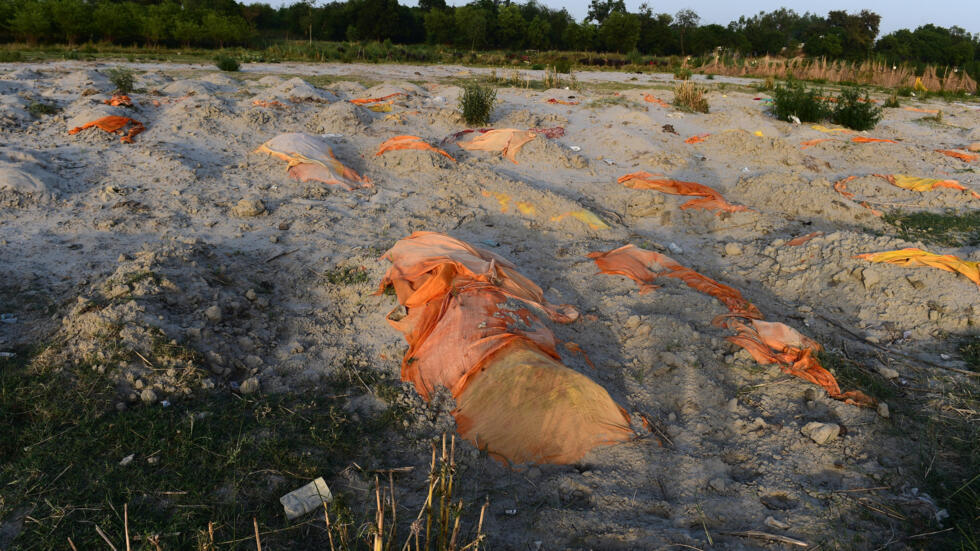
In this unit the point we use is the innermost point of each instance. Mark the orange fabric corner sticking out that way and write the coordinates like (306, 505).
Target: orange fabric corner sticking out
(409, 142)
(797, 241)
(119, 100)
(365, 101)
(865, 139)
(811, 143)
(649, 98)
(965, 157)
(697, 139)
(841, 187)
(114, 125)
(710, 199)
(562, 102)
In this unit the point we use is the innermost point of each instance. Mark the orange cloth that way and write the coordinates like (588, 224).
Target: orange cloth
(513, 396)
(409, 142)
(375, 100)
(697, 139)
(508, 141)
(119, 100)
(965, 157)
(918, 257)
(114, 125)
(917, 110)
(767, 342)
(795, 242)
(923, 184)
(710, 199)
(841, 187)
(864, 139)
(653, 99)
(271, 103)
(562, 102)
(321, 165)
(811, 143)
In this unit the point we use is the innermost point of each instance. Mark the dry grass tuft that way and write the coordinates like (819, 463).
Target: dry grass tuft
(690, 97)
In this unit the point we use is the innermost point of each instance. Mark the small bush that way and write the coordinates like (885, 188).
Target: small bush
(226, 63)
(563, 65)
(476, 103)
(796, 99)
(682, 73)
(710, 76)
(122, 79)
(690, 97)
(10, 56)
(537, 67)
(892, 101)
(769, 83)
(853, 111)
(904, 91)
(37, 108)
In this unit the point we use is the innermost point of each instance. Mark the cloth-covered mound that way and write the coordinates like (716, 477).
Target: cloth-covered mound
(469, 329)
(309, 158)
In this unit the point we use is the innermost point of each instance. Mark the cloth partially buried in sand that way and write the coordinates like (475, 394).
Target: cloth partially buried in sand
(114, 124)
(840, 186)
(365, 101)
(514, 398)
(919, 257)
(583, 216)
(506, 141)
(965, 157)
(924, 184)
(696, 139)
(118, 100)
(649, 98)
(865, 139)
(710, 199)
(825, 130)
(409, 142)
(767, 342)
(562, 102)
(310, 159)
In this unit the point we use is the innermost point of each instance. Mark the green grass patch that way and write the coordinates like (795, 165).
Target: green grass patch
(40, 108)
(950, 229)
(346, 275)
(797, 100)
(201, 468)
(853, 375)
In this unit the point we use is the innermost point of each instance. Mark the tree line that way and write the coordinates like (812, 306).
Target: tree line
(481, 24)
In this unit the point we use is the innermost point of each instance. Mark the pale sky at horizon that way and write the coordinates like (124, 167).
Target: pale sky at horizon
(895, 14)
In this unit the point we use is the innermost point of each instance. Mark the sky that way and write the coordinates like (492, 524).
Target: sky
(895, 14)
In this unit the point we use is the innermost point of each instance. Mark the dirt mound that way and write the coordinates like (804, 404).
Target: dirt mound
(793, 195)
(80, 80)
(413, 163)
(524, 118)
(24, 180)
(341, 117)
(542, 152)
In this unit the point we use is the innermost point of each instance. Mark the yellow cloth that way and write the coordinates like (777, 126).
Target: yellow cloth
(918, 257)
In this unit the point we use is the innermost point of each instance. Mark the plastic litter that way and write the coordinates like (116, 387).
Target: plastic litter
(306, 499)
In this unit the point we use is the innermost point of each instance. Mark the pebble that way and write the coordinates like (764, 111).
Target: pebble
(888, 372)
(777, 524)
(248, 207)
(213, 313)
(675, 248)
(821, 433)
(249, 385)
(733, 249)
(883, 410)
(148, 396)
(250, 294)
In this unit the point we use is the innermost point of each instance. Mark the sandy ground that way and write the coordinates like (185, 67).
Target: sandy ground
(85, 219)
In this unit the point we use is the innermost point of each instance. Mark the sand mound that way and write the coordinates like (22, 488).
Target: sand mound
(13, 110)
(221, 80)
(24, 180)
(542, 152)
(413, 163)
(739, 146)
(21, 74)
(190, 86)
(270, 80)
(152, 80)
(341, 117)
(523, 118)
(80, 80)
(794, 195)
(347, 88)
(296, 89)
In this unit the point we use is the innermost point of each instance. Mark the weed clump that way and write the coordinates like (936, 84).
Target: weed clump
(563, 65)
(38, 108)
(226, 63)
(856, 112)
(476, 103)
(682, 73)
(950, 229)
(690, 97)
(892, 101)
(123, 79)
(10, 56)
(795, 99)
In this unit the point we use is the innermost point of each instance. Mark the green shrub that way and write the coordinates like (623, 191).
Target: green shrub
(690, 97)
(122, 79)
(904, 91)
(227, 63)
(476, 103)
(10, 56)
(563, 65)
(892, 101)
(853, 111)
(796, 100)
(682, 73)
(709, 76)
(38, 108)
(537, 67)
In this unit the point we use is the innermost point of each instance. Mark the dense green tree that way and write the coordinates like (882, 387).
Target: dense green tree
(620, 32)
(686, 21)
(599, 10)
(31, 21)
(539, 33)
(440, 27)
(72, 18)
(471, 26)
(580, 37)
(511, 27)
